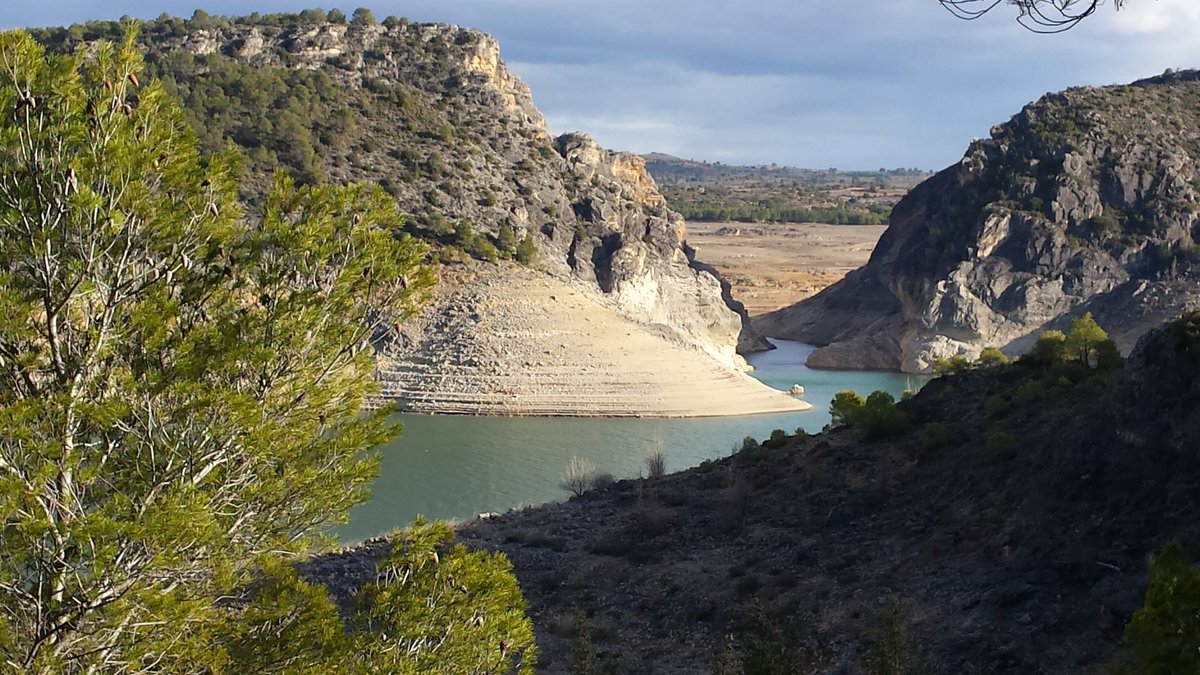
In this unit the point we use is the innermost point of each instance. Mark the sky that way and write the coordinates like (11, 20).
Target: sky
(852, 84)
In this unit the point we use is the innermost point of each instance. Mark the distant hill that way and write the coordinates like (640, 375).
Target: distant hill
(1087, 200)
(712, 191)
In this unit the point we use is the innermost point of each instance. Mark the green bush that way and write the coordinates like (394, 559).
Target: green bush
(1028, 393)
(933, 438)
(893, 652)
(482, 249)
(506, 238)
(997, 405)
(777, 439)
(1165, 633)
(767, 647)
(1049, 348)
(990, 357)
(880, 418)
(1000, 443)
(464, 236)
(526, 251)
(954, 364)
(844, 407)
(872, 418)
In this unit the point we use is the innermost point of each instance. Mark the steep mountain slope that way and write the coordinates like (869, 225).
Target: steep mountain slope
(432, 114)
(1086, 200)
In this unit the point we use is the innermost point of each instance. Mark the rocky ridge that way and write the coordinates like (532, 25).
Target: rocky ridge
(1086, 200)
(431, 113)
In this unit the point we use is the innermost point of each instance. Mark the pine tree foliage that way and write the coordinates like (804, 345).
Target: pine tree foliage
(433, 608)
(1165, 633)
(180, 390)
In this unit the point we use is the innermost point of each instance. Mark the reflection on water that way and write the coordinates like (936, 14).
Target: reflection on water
(458, 467)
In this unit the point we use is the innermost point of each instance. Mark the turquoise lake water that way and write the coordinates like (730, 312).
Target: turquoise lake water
(459, 467)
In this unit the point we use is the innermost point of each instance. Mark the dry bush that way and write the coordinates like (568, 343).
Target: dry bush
(656, 461)
(578, 477)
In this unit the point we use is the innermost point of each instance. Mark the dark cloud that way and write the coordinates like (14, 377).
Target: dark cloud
(847, 83)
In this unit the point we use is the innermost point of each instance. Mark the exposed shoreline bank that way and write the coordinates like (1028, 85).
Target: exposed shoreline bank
(519, 342)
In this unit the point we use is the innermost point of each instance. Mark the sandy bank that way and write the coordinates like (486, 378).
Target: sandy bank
(520, 342)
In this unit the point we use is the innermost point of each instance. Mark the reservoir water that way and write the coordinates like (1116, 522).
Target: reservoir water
(459, 467)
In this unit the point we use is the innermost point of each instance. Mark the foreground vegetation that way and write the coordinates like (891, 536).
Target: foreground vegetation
(180, 402)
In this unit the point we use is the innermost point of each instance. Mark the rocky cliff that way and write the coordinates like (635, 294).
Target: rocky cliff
(431, 113)
(1086, 200)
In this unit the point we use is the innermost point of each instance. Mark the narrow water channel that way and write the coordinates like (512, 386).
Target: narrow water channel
(459, 467)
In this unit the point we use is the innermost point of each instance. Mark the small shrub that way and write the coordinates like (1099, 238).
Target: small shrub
(578, 477)
(1028, 393)
(506, 239)
(585, 659)
(770, 647)
(656, 461)
(991, 357)
(1001, 444)
(872, 418)
(1165, 632)
(603, 480)
(934, 438)
(527, 251)
(777, 440)
(880, 418)
(996, 406)
(482, 249)
(1048, 349)
(893, 652)
(844, 407)
(954, 364)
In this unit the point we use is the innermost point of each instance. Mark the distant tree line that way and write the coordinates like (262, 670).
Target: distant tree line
(174, 26)
(876, 214)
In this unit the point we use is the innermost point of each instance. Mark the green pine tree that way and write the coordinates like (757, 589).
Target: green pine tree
(180, 394)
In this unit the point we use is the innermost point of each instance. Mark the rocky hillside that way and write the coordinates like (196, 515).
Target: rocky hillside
(1086, 200)
(1006, 529)
(432, 114)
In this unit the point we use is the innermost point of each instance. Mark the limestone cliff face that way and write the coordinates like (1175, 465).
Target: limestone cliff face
(1086, 200)
(437, 118)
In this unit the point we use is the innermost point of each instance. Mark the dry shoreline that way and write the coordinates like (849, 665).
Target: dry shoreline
(773, 265)
(519, 342)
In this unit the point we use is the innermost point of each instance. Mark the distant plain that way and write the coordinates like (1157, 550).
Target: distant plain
(772, 265)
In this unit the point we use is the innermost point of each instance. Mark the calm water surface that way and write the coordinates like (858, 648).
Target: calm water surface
(459, 467)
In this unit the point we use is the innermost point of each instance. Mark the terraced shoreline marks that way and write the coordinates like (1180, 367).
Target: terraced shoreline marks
(506, 340)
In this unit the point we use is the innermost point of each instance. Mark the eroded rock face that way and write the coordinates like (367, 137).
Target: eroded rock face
(447, 129)
(1086, 200)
